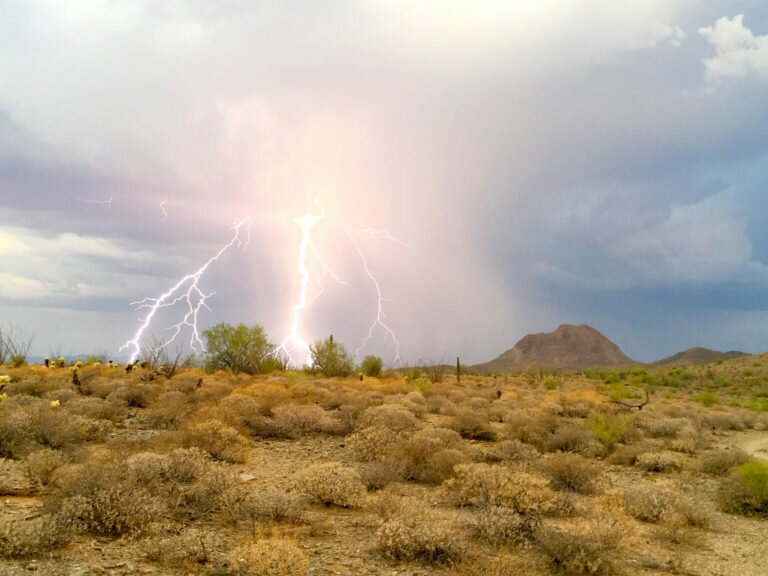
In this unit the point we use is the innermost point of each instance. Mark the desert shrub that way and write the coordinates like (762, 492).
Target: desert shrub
(186, 480)
(429, 455)
(374, 443)
(415, 402)
(686, 513)
(420, 536)
(16, 431)
(241, 504)
(626, 455)
(29, 538)
(93, 384)
(663, 461)
(746, 490)
(371, 366)
(169, 410)
(13, 478)
(218, 440)
(376, 475)
(609, 429)
(496, 485)
(133, 395)
(687, 441)
(191, 546)
(656, 427)
(720, 463)
(33, 386)
(647, 504)
(58, 428)
(473, 426)
(236, 410)
(514, 451)
(63, 395)
(42, 463)
(97, 409)
(571, 473)
(270, 557)
(183, 483)
(307, 418)
(500, 564)
(525, 428)
(572, 438)
(498, 526)
(707, 399)
(390, 416)
(722, 421)
(591, 550)
(332, 483)
(116, 510)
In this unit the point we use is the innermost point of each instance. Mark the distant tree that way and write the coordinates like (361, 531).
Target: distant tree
(331, 358)
(14, 347)
(238, 348)
(371, 366)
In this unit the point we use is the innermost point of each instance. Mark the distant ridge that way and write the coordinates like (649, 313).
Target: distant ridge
(567, 347)
(698, 356)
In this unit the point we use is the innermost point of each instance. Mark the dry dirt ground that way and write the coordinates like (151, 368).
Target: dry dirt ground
(754, 443)
(343, 541)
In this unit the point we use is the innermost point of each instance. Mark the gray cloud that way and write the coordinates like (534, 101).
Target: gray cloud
(537, 157)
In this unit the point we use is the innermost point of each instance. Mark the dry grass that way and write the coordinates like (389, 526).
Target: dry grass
(588, 549)
(571, 473)
(270, 557)
(422, 536)
(332, 483)
(477, 478)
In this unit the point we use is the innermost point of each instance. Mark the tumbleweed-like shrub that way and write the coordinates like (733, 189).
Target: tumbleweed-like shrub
(332, 483)
(496, 485)
(220, 441)
(421, 536)
(592, 549)
(499, 526)
(270, 557)
(571, 473)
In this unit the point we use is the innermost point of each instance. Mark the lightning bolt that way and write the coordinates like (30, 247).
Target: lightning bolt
(107, 203)
(377, 235)
(381, 316)
(165, 212)
(186, 290)
(294, 343)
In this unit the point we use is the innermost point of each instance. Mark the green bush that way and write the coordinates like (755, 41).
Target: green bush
(746, 491)
(331, 358)
(608, 429)
(239, 348)
(707, 399)
(571, 473)
(372, 366)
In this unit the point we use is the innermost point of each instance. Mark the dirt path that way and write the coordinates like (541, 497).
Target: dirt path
(755, 444)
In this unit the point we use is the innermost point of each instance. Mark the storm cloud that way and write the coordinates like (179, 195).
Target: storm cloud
(544, 161)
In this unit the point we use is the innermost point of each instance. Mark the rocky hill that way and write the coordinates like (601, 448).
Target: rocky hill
(698, 356)
(567, 347)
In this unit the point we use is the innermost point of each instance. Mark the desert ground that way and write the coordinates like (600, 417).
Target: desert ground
(411, 473)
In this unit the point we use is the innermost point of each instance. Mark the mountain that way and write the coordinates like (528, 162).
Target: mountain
(567, 347)
(698, 356)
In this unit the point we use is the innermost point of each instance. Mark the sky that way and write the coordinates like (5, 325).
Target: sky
(535, 162)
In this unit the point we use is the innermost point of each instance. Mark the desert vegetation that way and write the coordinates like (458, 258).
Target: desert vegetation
(248, 468)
